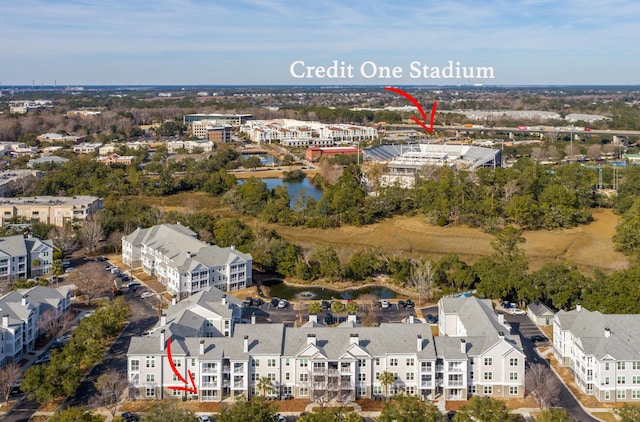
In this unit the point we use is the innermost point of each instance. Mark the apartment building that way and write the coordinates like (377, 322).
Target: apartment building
(184, 264)
(190, 146)
(56, 210)
(211, 130)
(13, 181)
(21, 311)
(602, 351)
(317, 362)
(87, 148)
(56, 137)
(125, 160)
(23, 258)
(288, 130)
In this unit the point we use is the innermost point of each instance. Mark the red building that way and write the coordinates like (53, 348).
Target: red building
(315, 153)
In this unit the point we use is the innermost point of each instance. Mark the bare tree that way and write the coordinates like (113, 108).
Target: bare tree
(64, 238)
(552, 136)
(90, 235)
(9, 375)
(51, 324)
(594, 152)
(511, 188)
(421, 278)
(92, 280)
(115, 240)
(205, 235)
(111, 386)
(542, 385)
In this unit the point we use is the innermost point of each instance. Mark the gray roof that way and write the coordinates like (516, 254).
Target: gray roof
(588, 328)
(538, 308)
(13, 245)
(45, 298)
(477, 315)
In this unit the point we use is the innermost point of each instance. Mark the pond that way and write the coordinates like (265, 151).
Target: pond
(285, 291)
(265, 159)
(295, 187)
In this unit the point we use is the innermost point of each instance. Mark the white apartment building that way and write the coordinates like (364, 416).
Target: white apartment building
(318, 362)
(87, 148)
(287, 130)
(184, 264)
(56, 210)
(603, 352)
(20, 312)
(189, 146)
(23, 258)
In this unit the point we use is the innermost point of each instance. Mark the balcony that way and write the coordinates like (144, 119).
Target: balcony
(238, 385)
(208, 385)
(226, 369)
(207, 370)
(455, 384)
(321, 371)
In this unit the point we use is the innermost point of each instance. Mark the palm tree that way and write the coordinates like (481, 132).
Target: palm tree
(263, 384)
(56, 270)
(315, 308)
(352, 308)
(387, 379)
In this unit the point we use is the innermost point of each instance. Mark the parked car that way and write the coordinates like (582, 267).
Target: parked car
(431, 319)
(517, 311)
(283, 304)
(280, 418)
(66, 263)
(275, 301)
(410, 304)
(130, 417)
(384, 304)
(325, 304)
(536, 338)
(147, 294)
(204, 418)
(328, 319)
(43, 358)
(68, 270)
(401, 304)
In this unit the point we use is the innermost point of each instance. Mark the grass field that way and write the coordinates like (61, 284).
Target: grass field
(588, 246)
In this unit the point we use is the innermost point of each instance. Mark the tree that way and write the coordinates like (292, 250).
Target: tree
(74, 414)
(628, 413)
(263, 384)
(387, 379)
(92, 280)
(422, 279)
(114, 240)
(484, 409)
(554, 415)
(337, 307)
(252, 162)
(9, 374)
(315, 308)
(352, 307)
(57, 270)
(542, 385)
(168, 411)
(256, 409)
(409, 408)
(90, 234)
(50, 324)
(336, 414)
(64, 238)
(110, 386)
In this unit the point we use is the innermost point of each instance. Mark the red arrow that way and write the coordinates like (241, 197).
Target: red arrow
(420, 109)
(193, 390)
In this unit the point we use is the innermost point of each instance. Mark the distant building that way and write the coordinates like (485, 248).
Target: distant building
(47, 159)
(184, 264)
(56, 210)
(22, 107)
(56, 137)
(231, 119)
(23, 258)
(116, 159)
(282, 130)
(316, 153)
(602, 352)
(83, 113)
(211, 130)
(307, 142)
(87, 148)
(175, 146)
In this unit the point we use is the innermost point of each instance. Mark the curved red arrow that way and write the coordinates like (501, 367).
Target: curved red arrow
(420, 109)
(194, 389)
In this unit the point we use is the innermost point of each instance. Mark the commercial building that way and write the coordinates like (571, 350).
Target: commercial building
(324, 364)
(602, 351)
(211, 130)
(56, 137)
(56, 210)
(189, 146)
(283, 130)
(316, 153)
(184, 264)
(231, 119)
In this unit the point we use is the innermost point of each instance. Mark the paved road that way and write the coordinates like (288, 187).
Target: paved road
(525, 328)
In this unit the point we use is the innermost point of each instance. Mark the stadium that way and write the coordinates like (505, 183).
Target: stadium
(404, 161)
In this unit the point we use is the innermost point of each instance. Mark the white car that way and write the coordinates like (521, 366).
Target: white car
(204, 418)
(384, 304)
(282, 303)
(516, 311)
(147, 294)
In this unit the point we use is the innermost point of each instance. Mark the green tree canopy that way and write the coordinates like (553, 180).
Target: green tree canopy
(485, 409)
(409, 408)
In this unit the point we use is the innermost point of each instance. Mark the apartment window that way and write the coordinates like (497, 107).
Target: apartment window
(636, 365)
(193, 362)
(362, 377)
(271, 376)
(175, 378)
(177, 393)
(426, 366)
(488, 376)
(151, 377)
(621, 394)
(471, 375)
(287, 376)
(304, 363)
(377, 389)
(488, 361)
(409, 362)
(513, 390)
(304, 377)
(150, 392)
(135, 365)
(472, 389)
(635, 394)
(607, 395)
(513, 361)
(377, 361)
(622, 366)
(377, 375)
(304, 392)
(606, 366)
(362, 391)
(409, 376)
(396, 376)
(606, 381)
(286, 361)
(255, 362)
(362, 363)
(621, 380)
(177, 363)
(410, 390)
(636, 379)
(150, 362)
(393, 362)
(271, 362)
(513, 376)
(488, 390)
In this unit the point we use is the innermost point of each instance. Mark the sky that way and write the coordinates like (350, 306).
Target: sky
(264, 42)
